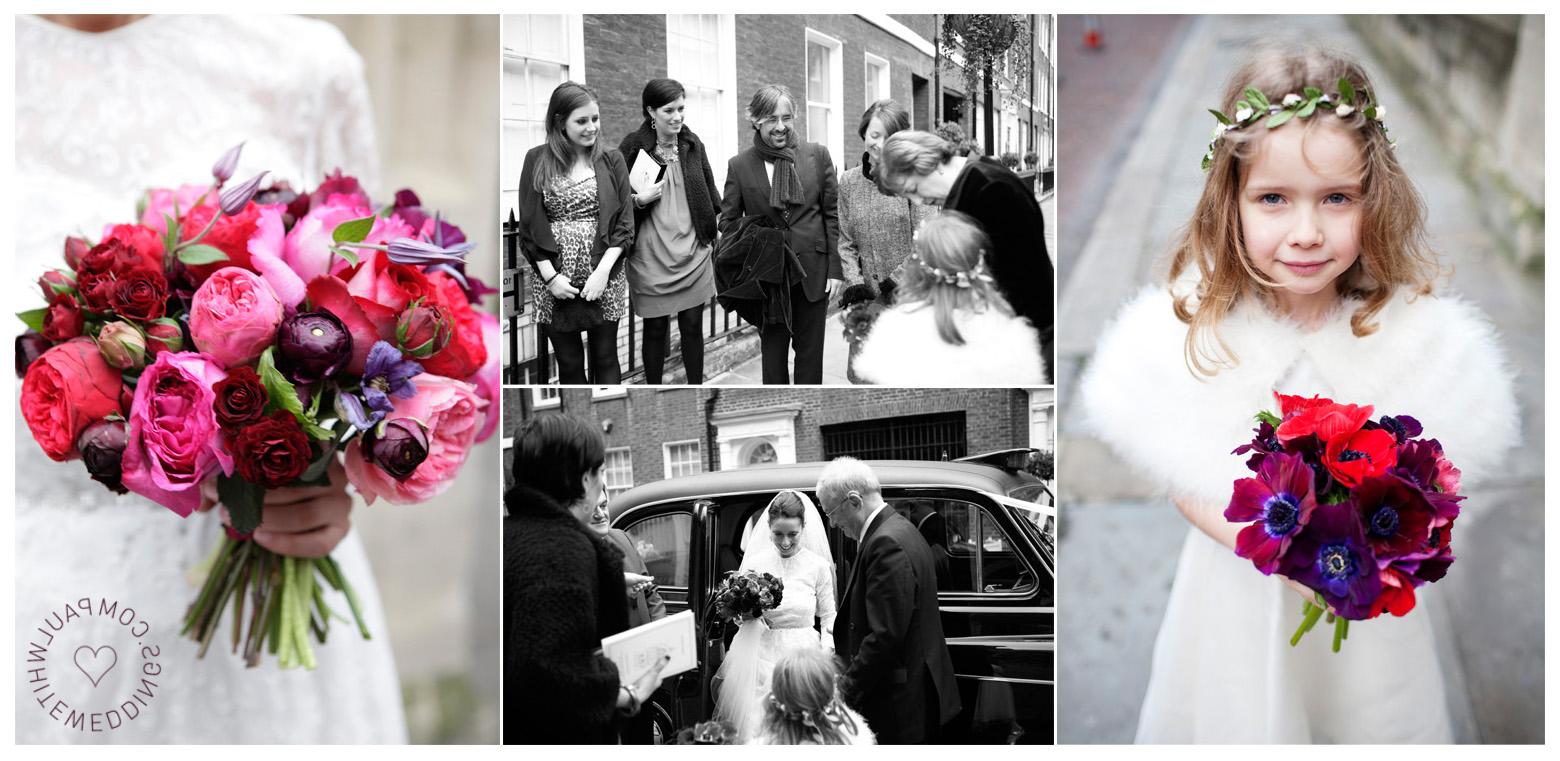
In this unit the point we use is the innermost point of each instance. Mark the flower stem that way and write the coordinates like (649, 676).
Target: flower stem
(1340, 627)
(1312, 614)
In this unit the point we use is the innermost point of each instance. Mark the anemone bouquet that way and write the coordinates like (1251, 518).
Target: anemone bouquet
(253, 336)
(1358, 510)
(745, 595)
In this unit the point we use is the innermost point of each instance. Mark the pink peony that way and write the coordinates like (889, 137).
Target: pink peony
(173, 442)
(307, 248)
(234, 315)
(453, 413)
(160, 203)
(266, 248)
(488, 380)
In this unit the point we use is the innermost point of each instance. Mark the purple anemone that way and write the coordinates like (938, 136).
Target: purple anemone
(1280, 500)
(1396, 516)
(1332, 557)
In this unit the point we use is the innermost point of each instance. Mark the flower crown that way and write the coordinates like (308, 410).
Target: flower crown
(1255, 107)
(957, 278)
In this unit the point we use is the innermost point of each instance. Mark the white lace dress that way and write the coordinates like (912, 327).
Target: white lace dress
(809, 594)
(99, 118)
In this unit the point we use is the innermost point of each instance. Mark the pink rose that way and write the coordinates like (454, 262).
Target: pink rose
(160, 203)
(173, 431)
(453, 413)
(266, 249)
(234, 316)
(488, 380)
(307, 248)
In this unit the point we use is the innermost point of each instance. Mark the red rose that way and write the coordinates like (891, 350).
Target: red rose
(423, 329)
(1351, 458)
(1327, 421)
(272, 452)
(75, 248)
(63, 320)
(230, 234)
(140, 294)
(388, 284)
(163, 335)
(241, 398)
(143, 240)
(65, 390)
(111, 256)
(466, 352)
(56, 283)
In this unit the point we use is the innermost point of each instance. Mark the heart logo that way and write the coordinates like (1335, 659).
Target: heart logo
(94, 663)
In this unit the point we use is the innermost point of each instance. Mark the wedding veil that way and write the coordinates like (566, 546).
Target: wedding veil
(756, 545)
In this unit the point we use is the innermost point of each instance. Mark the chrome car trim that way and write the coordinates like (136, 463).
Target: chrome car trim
(1008, 679)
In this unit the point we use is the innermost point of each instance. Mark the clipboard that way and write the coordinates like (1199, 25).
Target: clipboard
(646, 172)
(636, 650)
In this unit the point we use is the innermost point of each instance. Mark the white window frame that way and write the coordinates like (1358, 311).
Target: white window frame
(834, 140)
(612, 490)
(666, 455)
(736, 434)
(546, 397)
(720, 139)
(884, 81)
(574, 26)
(607, 392)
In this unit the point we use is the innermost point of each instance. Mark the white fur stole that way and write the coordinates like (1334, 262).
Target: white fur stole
(903, 348)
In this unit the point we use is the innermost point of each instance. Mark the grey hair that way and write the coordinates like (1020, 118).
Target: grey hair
(767, 100)
(846, 474)
(910, 153)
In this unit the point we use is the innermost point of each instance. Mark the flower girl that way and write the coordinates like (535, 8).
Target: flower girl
(804, 705)
(950, 327)
(1303, 270)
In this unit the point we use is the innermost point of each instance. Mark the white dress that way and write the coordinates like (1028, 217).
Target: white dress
(904, 348)
(99, 118)
(745, 674)
(1223, 670)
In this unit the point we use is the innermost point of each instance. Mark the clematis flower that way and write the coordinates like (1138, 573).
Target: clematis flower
(234, 199)
(223, 169)
(1332, 557)
(1280, 501)
(413, 251)
(1351, 458)
(1395, 514)
(385, 374)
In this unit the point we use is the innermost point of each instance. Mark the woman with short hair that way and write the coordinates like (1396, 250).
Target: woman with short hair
(875, 229)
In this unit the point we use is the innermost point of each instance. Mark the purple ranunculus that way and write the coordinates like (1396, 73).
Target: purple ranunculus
(1332, 557)
(102, 446)
(311, 346)
(1280, 500)
(399, 447)
(29, 346)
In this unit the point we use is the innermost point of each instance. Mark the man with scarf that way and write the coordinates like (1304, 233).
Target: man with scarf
(792, 184)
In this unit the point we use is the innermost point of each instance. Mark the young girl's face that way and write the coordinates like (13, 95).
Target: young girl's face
(1300, 210)
(582, 125)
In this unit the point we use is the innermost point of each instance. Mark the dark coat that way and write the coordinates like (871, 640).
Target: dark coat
(1007, 211)
(563, 592)
(614, 222)
(755, 271)
(900, 676)
(814, 231)
(698, 180)
(647, 605)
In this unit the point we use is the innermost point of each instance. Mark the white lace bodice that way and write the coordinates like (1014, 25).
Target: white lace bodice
(100, 118)
(809, 590)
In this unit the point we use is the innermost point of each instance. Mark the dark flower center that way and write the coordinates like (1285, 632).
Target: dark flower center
(1435, 537)
(1336, 562)
(1384, 522)
(1280, 515)
(1350, 455)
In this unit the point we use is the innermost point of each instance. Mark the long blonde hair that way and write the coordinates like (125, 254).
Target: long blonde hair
(1393, 251)
(948, 272)
(804, 705)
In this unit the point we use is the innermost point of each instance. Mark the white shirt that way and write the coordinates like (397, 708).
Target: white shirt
(868, 523)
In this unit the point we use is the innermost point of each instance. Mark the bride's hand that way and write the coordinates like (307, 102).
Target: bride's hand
(300, 522)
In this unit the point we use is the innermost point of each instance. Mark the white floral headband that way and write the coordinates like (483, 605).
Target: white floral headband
(1256, 107)
(956, 278)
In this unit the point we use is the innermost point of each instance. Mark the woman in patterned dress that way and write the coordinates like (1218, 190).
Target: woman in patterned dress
(576, 224)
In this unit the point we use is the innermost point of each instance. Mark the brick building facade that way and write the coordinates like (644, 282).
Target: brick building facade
(653, 434)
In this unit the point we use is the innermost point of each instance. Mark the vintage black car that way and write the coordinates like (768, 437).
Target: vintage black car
(995, 577)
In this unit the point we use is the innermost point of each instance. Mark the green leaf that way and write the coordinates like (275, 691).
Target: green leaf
(1269, 418)
(1240, 104)
(346, 253)
(1311, 93)
(33, 318)
(353, 231)
(317, 474)
(1221, 117)
(1309, 107)
(243, 501)
(171, 234)
(201, 253)
(1257, 98)
(1370, 113)
(1336, 495)
(284, 395)
(1345, 91)
(1279, 118)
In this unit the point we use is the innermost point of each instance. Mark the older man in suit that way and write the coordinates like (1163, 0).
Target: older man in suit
(900, 677)
(792, 185)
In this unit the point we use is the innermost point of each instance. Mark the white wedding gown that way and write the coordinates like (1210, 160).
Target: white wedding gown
(809, 594)
(99, 118)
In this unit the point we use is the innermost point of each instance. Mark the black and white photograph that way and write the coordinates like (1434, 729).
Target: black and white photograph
(778, 199)
(779, 566)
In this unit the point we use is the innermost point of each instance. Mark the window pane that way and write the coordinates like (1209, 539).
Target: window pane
(818, 124)
(817, 72)
(619, 471)
(663, 542)
(969, 545)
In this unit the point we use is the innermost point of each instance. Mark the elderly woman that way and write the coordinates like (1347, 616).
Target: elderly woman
(791, 184)
(575, 227)
(670, 271)
(926, 168)
(563, 592)
(875, 229)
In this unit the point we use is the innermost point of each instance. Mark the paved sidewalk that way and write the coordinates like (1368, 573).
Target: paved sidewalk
(1120, 540)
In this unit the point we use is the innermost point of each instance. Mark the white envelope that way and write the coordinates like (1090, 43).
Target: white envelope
(645, 172)
(636, 650)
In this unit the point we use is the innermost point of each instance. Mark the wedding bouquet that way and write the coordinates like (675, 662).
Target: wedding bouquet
(745, 595)
(1358, 510)
(256, 335)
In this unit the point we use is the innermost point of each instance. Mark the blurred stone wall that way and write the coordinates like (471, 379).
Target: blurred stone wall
(1483, 75)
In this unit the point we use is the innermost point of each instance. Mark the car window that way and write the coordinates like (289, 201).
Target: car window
(663, 541)
(972, 551)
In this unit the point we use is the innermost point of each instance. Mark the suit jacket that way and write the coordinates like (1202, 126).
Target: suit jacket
(900, 674)
(614, 221)
(814, 232)
(647, 605)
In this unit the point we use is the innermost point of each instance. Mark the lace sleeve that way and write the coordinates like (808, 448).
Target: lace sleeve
(826, 609)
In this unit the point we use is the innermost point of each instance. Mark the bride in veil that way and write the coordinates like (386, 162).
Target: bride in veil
(795, 548)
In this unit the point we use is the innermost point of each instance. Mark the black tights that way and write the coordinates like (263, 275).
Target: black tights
(658, 341)
(570, 352)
